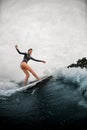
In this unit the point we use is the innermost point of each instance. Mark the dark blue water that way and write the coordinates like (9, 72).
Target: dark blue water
(58, 103)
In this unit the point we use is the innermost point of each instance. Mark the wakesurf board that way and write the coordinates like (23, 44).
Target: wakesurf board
(35, 83)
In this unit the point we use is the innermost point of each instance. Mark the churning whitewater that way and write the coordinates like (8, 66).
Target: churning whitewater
(63, 97)
(74, 79)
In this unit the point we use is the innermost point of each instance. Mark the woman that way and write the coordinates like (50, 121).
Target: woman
(25, 67)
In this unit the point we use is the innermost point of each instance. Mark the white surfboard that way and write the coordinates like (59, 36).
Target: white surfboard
(33, 84)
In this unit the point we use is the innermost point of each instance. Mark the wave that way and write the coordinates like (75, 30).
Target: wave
(75, 77)
(7, 88)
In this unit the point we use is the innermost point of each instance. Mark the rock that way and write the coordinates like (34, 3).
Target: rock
(80, 63)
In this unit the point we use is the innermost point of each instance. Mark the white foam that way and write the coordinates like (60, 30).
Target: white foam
(7, 87)
(74, 74)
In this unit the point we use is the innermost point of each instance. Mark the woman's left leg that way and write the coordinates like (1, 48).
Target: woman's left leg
(23, 67)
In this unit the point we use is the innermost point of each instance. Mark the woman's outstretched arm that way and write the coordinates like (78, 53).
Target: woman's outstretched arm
(16, 46)
(37, 60)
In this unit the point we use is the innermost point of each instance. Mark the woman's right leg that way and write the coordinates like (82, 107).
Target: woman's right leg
(27, 76)
(23, 67)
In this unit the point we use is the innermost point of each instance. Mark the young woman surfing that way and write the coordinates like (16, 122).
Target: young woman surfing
(25, 67)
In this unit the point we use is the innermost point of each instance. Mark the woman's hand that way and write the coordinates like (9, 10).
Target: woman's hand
(43, 61)
(16, 46)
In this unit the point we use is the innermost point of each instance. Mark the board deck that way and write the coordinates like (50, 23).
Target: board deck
(35, 83)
